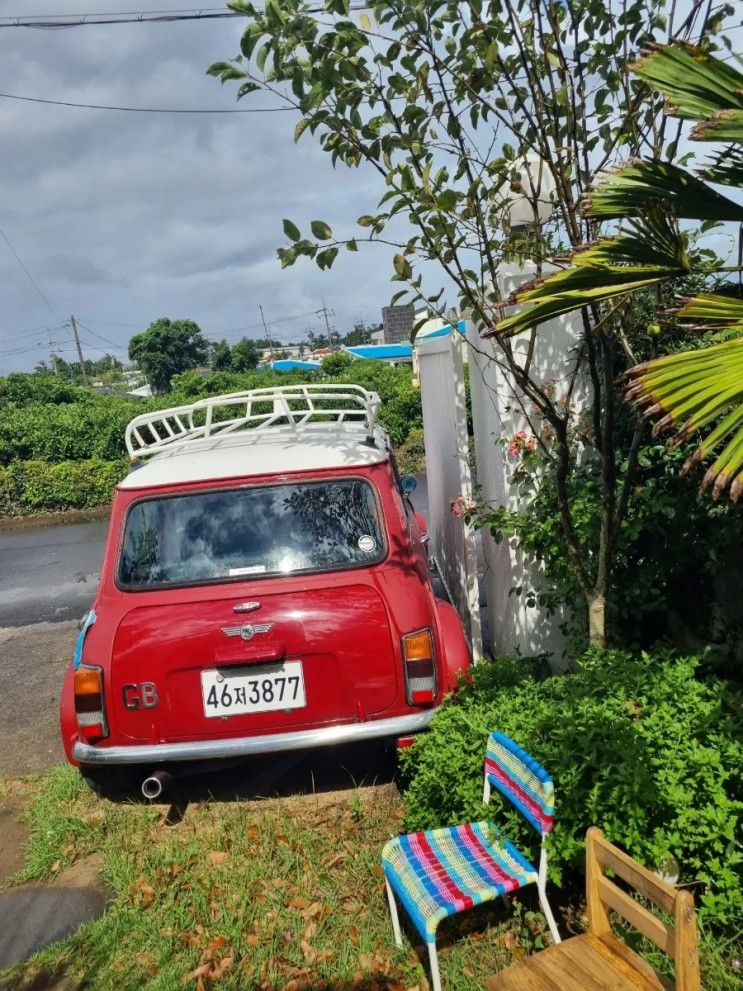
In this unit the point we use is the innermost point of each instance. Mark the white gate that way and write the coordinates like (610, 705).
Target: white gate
(447, 467)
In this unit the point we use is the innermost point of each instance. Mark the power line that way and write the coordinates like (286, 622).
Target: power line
(142, 110)
(30, 277)
(57, 21)
(100, 337)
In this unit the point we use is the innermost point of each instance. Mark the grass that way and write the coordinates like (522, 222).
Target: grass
(276, 895)
(280, 894)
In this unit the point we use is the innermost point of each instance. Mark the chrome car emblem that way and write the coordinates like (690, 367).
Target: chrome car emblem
(246, 607)
(248, 631)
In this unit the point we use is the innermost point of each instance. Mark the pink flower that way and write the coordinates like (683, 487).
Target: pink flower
(457, 509)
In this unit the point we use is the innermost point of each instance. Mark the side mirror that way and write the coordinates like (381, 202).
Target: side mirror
(409, 483)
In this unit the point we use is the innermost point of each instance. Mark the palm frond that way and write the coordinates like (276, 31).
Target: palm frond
(638, 186)
(724, 125)
(648, 252)
(712, 310)
(694, 390)
(696, 84)
(727, 167)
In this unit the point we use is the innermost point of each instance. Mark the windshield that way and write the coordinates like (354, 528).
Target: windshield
(250, 532)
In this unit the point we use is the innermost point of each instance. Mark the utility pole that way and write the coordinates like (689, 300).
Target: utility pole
(83, 376)
(265, 328)
(324, 310)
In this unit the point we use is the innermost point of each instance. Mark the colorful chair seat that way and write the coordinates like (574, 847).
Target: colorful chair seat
(446, 871)
(441, 872)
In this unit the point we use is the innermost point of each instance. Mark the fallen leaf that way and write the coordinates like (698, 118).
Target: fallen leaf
(353, 935)
(252, 940)
(298, 902)
(308, 952)
(218, 941)
(332, 859)
(216, 857)
(221, 969)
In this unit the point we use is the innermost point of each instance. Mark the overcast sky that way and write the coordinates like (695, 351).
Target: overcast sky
(122, 218)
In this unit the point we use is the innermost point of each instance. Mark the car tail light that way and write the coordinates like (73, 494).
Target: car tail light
(89, 706)
(420, 668)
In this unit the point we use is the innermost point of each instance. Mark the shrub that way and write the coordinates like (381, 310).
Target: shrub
(411, 455)
(635, 744)
(27, 486)
(67, 432)
(336, 363)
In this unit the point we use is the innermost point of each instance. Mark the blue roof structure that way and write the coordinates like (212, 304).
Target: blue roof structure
(385, 352)
(291, 365)
(442, 331)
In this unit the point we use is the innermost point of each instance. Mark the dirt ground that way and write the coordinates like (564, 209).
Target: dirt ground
(33, 660)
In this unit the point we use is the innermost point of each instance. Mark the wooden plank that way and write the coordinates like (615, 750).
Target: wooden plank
(580, 967)
(686, 950)
(618, 954)
(639, 877)
(582, 963)
(598, 917)
(634, 913)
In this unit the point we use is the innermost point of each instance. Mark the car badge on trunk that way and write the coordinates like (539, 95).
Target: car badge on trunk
(246, 607)
(248, 631)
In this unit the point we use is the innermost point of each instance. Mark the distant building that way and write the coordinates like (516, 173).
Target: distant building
(392, 354)
(397, 323)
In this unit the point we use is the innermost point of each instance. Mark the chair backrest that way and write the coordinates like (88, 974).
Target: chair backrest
(679, 940)
(520, 779)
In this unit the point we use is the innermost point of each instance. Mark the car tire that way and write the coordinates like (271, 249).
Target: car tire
(112, 782)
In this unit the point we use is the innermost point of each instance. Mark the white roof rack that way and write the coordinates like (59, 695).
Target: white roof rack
(290, 406)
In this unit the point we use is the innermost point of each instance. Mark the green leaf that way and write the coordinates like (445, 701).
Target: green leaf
(365, 221)
(447, 200)
(291, 230)
(712, 310)
(694, 390)
(301, 127)
(402, 267)
(649, 252)
(351, 245)
(640, 185)
(321, 230)
(696, 84)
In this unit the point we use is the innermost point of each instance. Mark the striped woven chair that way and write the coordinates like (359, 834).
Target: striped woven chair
(442, 872)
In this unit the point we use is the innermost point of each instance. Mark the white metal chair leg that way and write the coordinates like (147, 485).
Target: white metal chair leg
(393, 913)
(548, 914)
(433, 959)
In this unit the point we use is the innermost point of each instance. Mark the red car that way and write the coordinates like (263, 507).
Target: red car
(265, 588)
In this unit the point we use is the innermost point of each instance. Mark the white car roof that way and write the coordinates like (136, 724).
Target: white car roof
(276, 451)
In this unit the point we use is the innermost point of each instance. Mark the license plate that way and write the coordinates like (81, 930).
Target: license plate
(260, 688)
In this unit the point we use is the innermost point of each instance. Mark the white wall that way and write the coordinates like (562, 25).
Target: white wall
(498, 414)
(448, 475)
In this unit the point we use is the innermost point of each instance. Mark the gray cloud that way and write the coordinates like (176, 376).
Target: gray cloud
(127, 217)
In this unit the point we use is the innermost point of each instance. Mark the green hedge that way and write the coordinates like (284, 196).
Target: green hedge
(36, 486)
(43, 419)
(636, 744)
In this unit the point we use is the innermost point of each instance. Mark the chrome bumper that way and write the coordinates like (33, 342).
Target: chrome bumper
(248, 746)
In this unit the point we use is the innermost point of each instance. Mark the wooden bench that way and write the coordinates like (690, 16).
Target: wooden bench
(599, 960)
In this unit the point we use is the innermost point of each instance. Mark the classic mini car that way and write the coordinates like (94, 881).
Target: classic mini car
(265, 588)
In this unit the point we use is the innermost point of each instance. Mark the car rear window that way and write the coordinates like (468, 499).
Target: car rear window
(250, 532)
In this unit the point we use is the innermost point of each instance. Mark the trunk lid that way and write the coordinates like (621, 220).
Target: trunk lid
(339, 634)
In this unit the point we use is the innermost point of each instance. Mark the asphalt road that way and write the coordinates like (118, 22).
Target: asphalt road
(49, 574)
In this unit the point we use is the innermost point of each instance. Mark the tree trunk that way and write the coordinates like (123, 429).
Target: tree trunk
(597, 620)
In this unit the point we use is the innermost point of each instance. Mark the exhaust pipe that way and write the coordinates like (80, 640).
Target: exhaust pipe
(154, 786)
